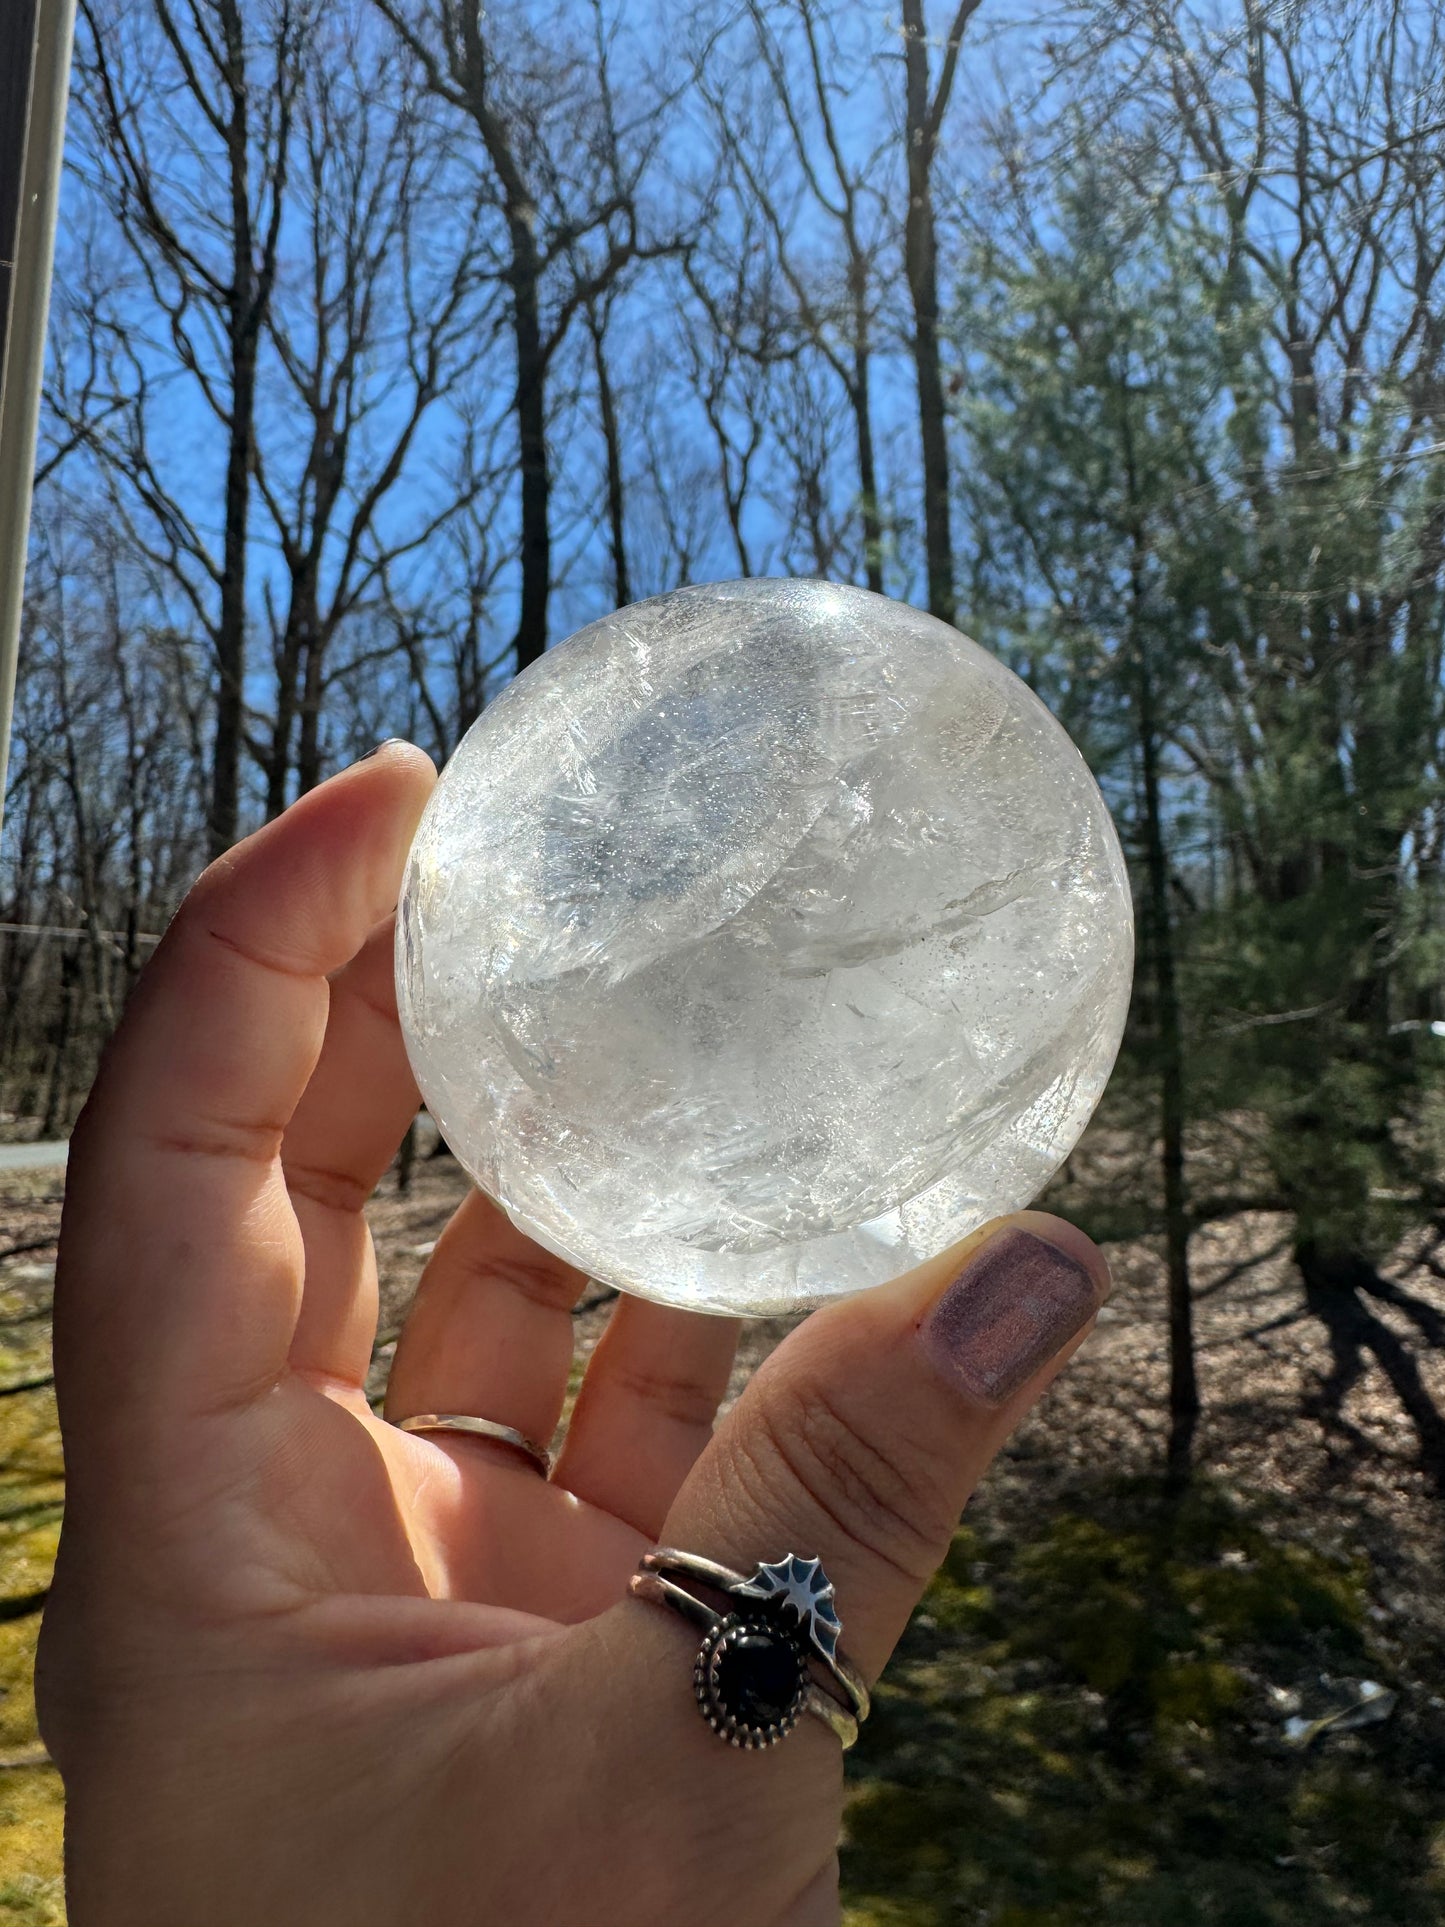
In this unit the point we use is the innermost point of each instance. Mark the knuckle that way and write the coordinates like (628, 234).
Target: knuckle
(885, 1501)
(372, 1003)
(671, 1396)
(541, 1281)
(478, 1250)
(327, 1187)
(66, 1696)
(242, 1139)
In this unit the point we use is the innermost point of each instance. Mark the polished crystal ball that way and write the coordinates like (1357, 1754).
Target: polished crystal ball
(760, 941)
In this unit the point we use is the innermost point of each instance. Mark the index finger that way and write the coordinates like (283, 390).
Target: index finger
(180, 1266)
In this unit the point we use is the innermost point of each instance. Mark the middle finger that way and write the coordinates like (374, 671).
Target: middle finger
(646, 1409)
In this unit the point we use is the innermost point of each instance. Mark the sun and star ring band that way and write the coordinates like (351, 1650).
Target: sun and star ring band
(751, 1676)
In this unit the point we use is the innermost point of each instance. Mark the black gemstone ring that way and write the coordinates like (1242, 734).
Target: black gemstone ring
(752, 1676)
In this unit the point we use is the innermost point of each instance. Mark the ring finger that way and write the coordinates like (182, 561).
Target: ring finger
(489, 1333)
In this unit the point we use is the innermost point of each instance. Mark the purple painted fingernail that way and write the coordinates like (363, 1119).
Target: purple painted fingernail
(1014, 1304)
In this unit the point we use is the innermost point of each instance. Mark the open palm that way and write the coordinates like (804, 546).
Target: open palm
(300, 1666)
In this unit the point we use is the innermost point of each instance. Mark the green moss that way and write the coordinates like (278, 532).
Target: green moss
(1435, 1862)
(1076, 1731)
(31, 1800)
(33, 1900)
(1194, 1692)
(891, 1913)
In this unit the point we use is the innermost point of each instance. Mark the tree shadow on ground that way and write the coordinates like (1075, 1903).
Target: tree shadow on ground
(1085, 1726)
(1336, 1293)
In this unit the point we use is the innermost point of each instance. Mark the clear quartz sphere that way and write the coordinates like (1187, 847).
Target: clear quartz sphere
(760, 941)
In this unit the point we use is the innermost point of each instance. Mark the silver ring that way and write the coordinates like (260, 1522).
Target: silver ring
(482, 1428)
(751, 1677)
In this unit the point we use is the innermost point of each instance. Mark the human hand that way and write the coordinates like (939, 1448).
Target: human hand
(300, 1667)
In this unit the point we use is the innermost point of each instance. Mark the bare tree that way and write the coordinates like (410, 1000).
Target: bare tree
(925, 102)
(730, 338)
(109, 787)
(175, 103)
(598, 312)
(815, 522)
(1318, 171)
(813, 160)
(451, 637)
(679, 508)
(568, 173)
(372, 328)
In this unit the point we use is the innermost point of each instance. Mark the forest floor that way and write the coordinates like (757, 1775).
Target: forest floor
(1088, 1718)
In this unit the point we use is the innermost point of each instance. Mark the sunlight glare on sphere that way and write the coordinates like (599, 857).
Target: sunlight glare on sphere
(760, 941)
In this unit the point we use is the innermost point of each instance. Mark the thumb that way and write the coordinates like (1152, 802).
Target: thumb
(862, 1437)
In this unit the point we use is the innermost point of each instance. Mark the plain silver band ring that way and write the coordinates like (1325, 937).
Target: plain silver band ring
(482, 1428)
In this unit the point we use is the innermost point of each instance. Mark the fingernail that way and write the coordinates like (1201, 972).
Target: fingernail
(376, 751)
(1015, 1303)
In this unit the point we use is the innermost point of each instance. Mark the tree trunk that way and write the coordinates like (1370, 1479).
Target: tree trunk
(248, 295)
(57, 1096)
(308, 747)
(16, 951)
(1183, 1379)
(224, 822)
(531, 436)
(230, 639)
(607, 406)
(288, 671)
(920, 257)
(867, 473)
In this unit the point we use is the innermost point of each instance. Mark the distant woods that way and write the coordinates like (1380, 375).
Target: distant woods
(394, 341)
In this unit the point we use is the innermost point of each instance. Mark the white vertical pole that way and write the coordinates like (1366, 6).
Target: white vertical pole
(24, 363)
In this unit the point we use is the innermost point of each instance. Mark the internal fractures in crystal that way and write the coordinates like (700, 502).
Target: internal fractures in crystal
(760, 941)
